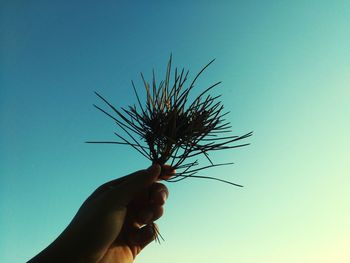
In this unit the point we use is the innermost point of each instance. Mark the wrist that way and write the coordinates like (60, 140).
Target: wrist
(60, 250)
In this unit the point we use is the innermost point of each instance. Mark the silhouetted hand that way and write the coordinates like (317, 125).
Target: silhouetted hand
(115, 223)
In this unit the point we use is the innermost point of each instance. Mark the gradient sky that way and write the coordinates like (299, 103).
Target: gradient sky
(285, 71)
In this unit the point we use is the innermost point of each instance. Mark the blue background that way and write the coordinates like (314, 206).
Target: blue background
(285, 71)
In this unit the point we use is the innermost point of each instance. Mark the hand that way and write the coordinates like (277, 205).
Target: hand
(115, 223)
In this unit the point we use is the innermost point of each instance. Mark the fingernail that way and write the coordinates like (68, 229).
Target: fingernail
(146, 216)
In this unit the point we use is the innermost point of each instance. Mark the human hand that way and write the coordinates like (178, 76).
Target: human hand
(115, 223)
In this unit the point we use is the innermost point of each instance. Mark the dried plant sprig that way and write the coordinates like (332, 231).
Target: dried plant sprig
(170, 128)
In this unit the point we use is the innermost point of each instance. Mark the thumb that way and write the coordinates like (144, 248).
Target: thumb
(133, 184)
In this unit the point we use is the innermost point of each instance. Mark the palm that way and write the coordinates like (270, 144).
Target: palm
(122, 244)
(120, 253)
(121, 250)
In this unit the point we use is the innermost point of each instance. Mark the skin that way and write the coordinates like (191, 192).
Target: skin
(115, 223)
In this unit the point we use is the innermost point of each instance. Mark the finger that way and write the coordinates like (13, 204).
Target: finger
(113, 183)
(132, 184)
(158, 211)
(149, 214)
(167, 172)
(106, 187)
(144, 216)
(158, 194)
(143, 236)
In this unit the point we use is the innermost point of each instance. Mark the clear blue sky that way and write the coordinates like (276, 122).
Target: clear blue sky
(285, 71)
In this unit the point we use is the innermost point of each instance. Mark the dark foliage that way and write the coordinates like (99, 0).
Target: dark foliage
(169, 128)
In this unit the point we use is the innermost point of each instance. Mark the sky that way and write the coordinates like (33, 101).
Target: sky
(284, 67)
